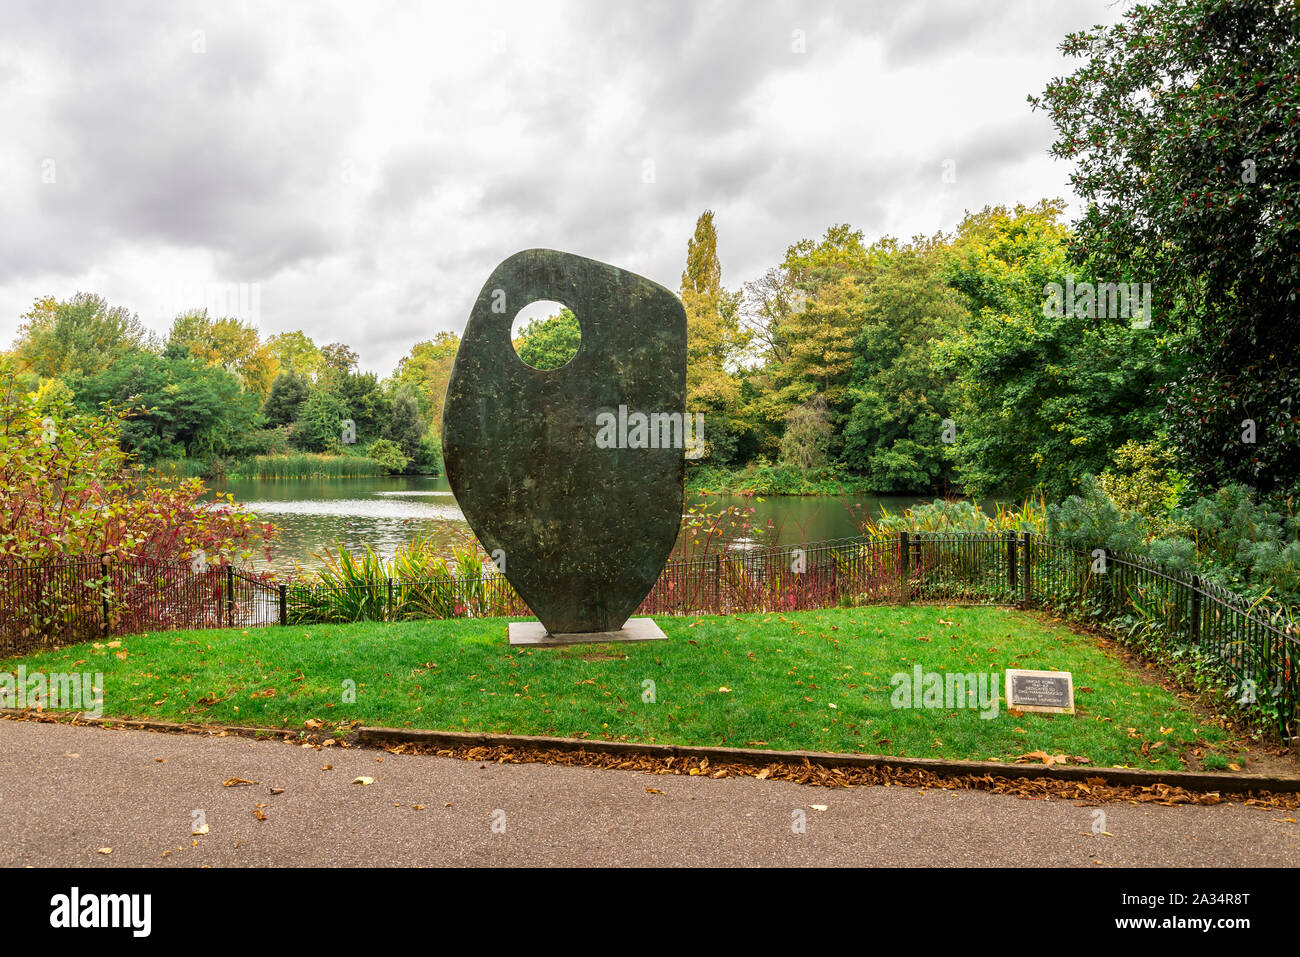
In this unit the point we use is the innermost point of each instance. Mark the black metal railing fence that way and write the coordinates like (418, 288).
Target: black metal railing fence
(1255, 648)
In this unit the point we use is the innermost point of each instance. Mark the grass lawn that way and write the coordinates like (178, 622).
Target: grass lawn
(810, 680)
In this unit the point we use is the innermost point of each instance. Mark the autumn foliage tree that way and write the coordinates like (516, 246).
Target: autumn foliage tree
(69, 491)
(229, 344)
(426, 370)
(80, 336)
(714, 337)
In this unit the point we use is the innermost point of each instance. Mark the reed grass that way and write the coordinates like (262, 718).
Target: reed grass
(307, 465)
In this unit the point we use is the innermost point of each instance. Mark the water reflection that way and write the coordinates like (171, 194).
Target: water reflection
(385, 512)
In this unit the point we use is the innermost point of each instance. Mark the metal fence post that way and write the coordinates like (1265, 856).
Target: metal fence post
(284, 604)
(1011, 563)
(1027, 569)
(389, 615)
(904, 565)
(230, 595)
(1195, 623)
(104, 559)
(717, 584)
(1103, 585)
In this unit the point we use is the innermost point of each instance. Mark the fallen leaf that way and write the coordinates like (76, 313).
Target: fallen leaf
(105, 850)
(200, 830)
(818, 807)
(360, 779)
(653, 791)
(1044, 757)
(237, 783)
(257, 813)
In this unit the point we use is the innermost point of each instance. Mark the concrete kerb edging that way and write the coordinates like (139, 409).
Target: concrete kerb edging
(1199, 781)
(1128, 777)
(147, 724)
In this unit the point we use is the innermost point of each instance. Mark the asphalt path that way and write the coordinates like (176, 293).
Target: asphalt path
(70, 792)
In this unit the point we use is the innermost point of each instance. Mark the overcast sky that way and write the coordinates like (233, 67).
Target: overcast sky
(361, 167)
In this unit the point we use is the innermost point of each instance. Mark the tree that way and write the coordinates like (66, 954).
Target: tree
(715, 345)
(366, 404)
(81, 336)
(337, 360)
(768, 305)
(229, 344)
(405, 426)
(288, 392)
(714, 337)
(811, 342)
(1181, 125)
(550, 342)
(319, 425)
(296, 352)
(1041, 398)
(894, 434)
(183, 407)
(807, 434)
(426, 371)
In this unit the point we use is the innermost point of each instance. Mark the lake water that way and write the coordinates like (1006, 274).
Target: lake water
(314, 514)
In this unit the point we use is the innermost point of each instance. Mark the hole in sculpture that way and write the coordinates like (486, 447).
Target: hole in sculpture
(545, 334)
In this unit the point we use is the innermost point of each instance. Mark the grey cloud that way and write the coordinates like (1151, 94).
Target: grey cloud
(159, 143)
(234, 155)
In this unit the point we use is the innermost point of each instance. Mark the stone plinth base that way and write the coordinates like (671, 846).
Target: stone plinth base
(534, 634)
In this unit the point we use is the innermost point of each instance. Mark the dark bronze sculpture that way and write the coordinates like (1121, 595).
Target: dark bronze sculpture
(574, 475)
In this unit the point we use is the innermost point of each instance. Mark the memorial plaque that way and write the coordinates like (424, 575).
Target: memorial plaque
(1051, 692)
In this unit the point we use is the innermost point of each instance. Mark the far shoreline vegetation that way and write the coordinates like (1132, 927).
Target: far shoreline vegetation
(287, 467)
(762, 478)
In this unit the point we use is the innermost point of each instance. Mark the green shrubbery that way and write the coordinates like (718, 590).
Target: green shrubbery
(1141, 506)
(388, 454)
(762, 478)
(1093, 520)
(69, 490)
(1231, 537)
(354, 586)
